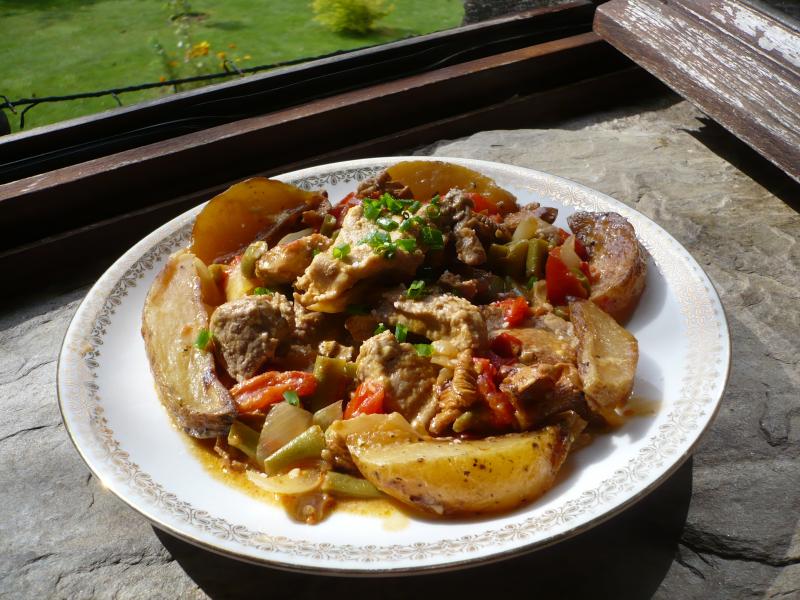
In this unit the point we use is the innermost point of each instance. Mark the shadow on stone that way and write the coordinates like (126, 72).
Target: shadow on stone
(626, 557)
(726, 145)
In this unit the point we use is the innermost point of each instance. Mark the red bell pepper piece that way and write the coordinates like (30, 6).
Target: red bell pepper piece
(500, 407)
(367, 399)
(561, 282)
(268, 388)
(515, 311)
(340, 210)
(483, 203)
(506, 345)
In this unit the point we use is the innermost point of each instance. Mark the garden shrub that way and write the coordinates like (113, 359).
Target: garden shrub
(350, 16)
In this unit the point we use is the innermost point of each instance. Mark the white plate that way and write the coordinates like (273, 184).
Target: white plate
(113, 415)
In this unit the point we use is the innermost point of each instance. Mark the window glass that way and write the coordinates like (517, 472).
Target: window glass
(66, 47)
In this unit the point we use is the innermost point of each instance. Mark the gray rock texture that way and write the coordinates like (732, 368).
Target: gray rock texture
(724, 526)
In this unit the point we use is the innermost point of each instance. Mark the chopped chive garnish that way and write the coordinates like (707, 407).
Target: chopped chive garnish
(377, 239)
(203, 338)
(407, 244)
(263, 291)
(400, 332)
(372, 209)
(315, 251)
(387, 250)
(380, 329)
(387, 223)
(392, 203)
(415, 206)
(424, 349)
(432, 238)
(416, 289)
(432, 211)
(356, 309)
(531, 282)
(292, 397)
(435, 200)
(341, 251)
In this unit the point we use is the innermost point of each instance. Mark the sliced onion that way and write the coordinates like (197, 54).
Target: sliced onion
(568, 254)
(445, 348)
(296, 481)
(290, 237)
(526, 229)
(284, 422)
(327, 415)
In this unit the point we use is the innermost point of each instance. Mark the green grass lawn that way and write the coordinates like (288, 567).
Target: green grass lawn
(56, 47)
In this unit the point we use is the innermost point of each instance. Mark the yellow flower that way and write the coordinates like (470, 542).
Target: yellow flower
(200, 49)
(247, 57)
(221, 55)
(232, 46)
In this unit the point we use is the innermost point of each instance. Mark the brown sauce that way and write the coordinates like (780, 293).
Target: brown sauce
(394, 518)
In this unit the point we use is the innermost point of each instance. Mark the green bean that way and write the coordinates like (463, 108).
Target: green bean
(509, 259)
(244, 438)
(328, 225)
(537, 256)
(332, 379)
(308, 445)
(251, 256)
(339, 484)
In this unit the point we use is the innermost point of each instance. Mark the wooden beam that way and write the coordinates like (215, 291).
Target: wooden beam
(738, 64)
(99, 243)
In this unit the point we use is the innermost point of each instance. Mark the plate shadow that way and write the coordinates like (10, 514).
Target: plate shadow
(625, 557)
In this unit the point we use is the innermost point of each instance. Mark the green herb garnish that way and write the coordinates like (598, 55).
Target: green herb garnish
(400, 332)
(203, 338)
(531, 282)
(392, 203)
(432, 238)
(432, 211)
(377, 239)
(341, 251)
(262, 291)
(292, 397)
(416, 289)
(424, 349)
(407, 244)
(414, 206)
(372, 209)
(435, 200)
(387, 223)
(380, 329)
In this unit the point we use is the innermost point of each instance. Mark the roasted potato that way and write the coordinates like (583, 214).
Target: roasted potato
(175, 312)
(257, 208)
(607, 357)
(616, 259)
(452, 477)
(426, 178)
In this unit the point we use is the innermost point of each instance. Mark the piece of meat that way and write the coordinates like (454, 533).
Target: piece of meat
(381, 184)
(333, 349)
(361, 327)
(247, 332)
(543, 346)
(617, 261)
(407, 377)
(328, 283)
(470, 231)
(459, 286)
(315, 217)
(437, 317)
(548, 214)
(309, 326)
(283, 264)
(543, 390)
(455, 396)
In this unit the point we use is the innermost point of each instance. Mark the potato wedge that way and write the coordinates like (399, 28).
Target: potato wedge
(607, 357)
(256, 208)
(452, 477)
(616, 259)
(186, 379)
(426, 178)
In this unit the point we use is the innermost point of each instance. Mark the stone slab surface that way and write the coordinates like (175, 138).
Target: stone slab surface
(724, 526)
